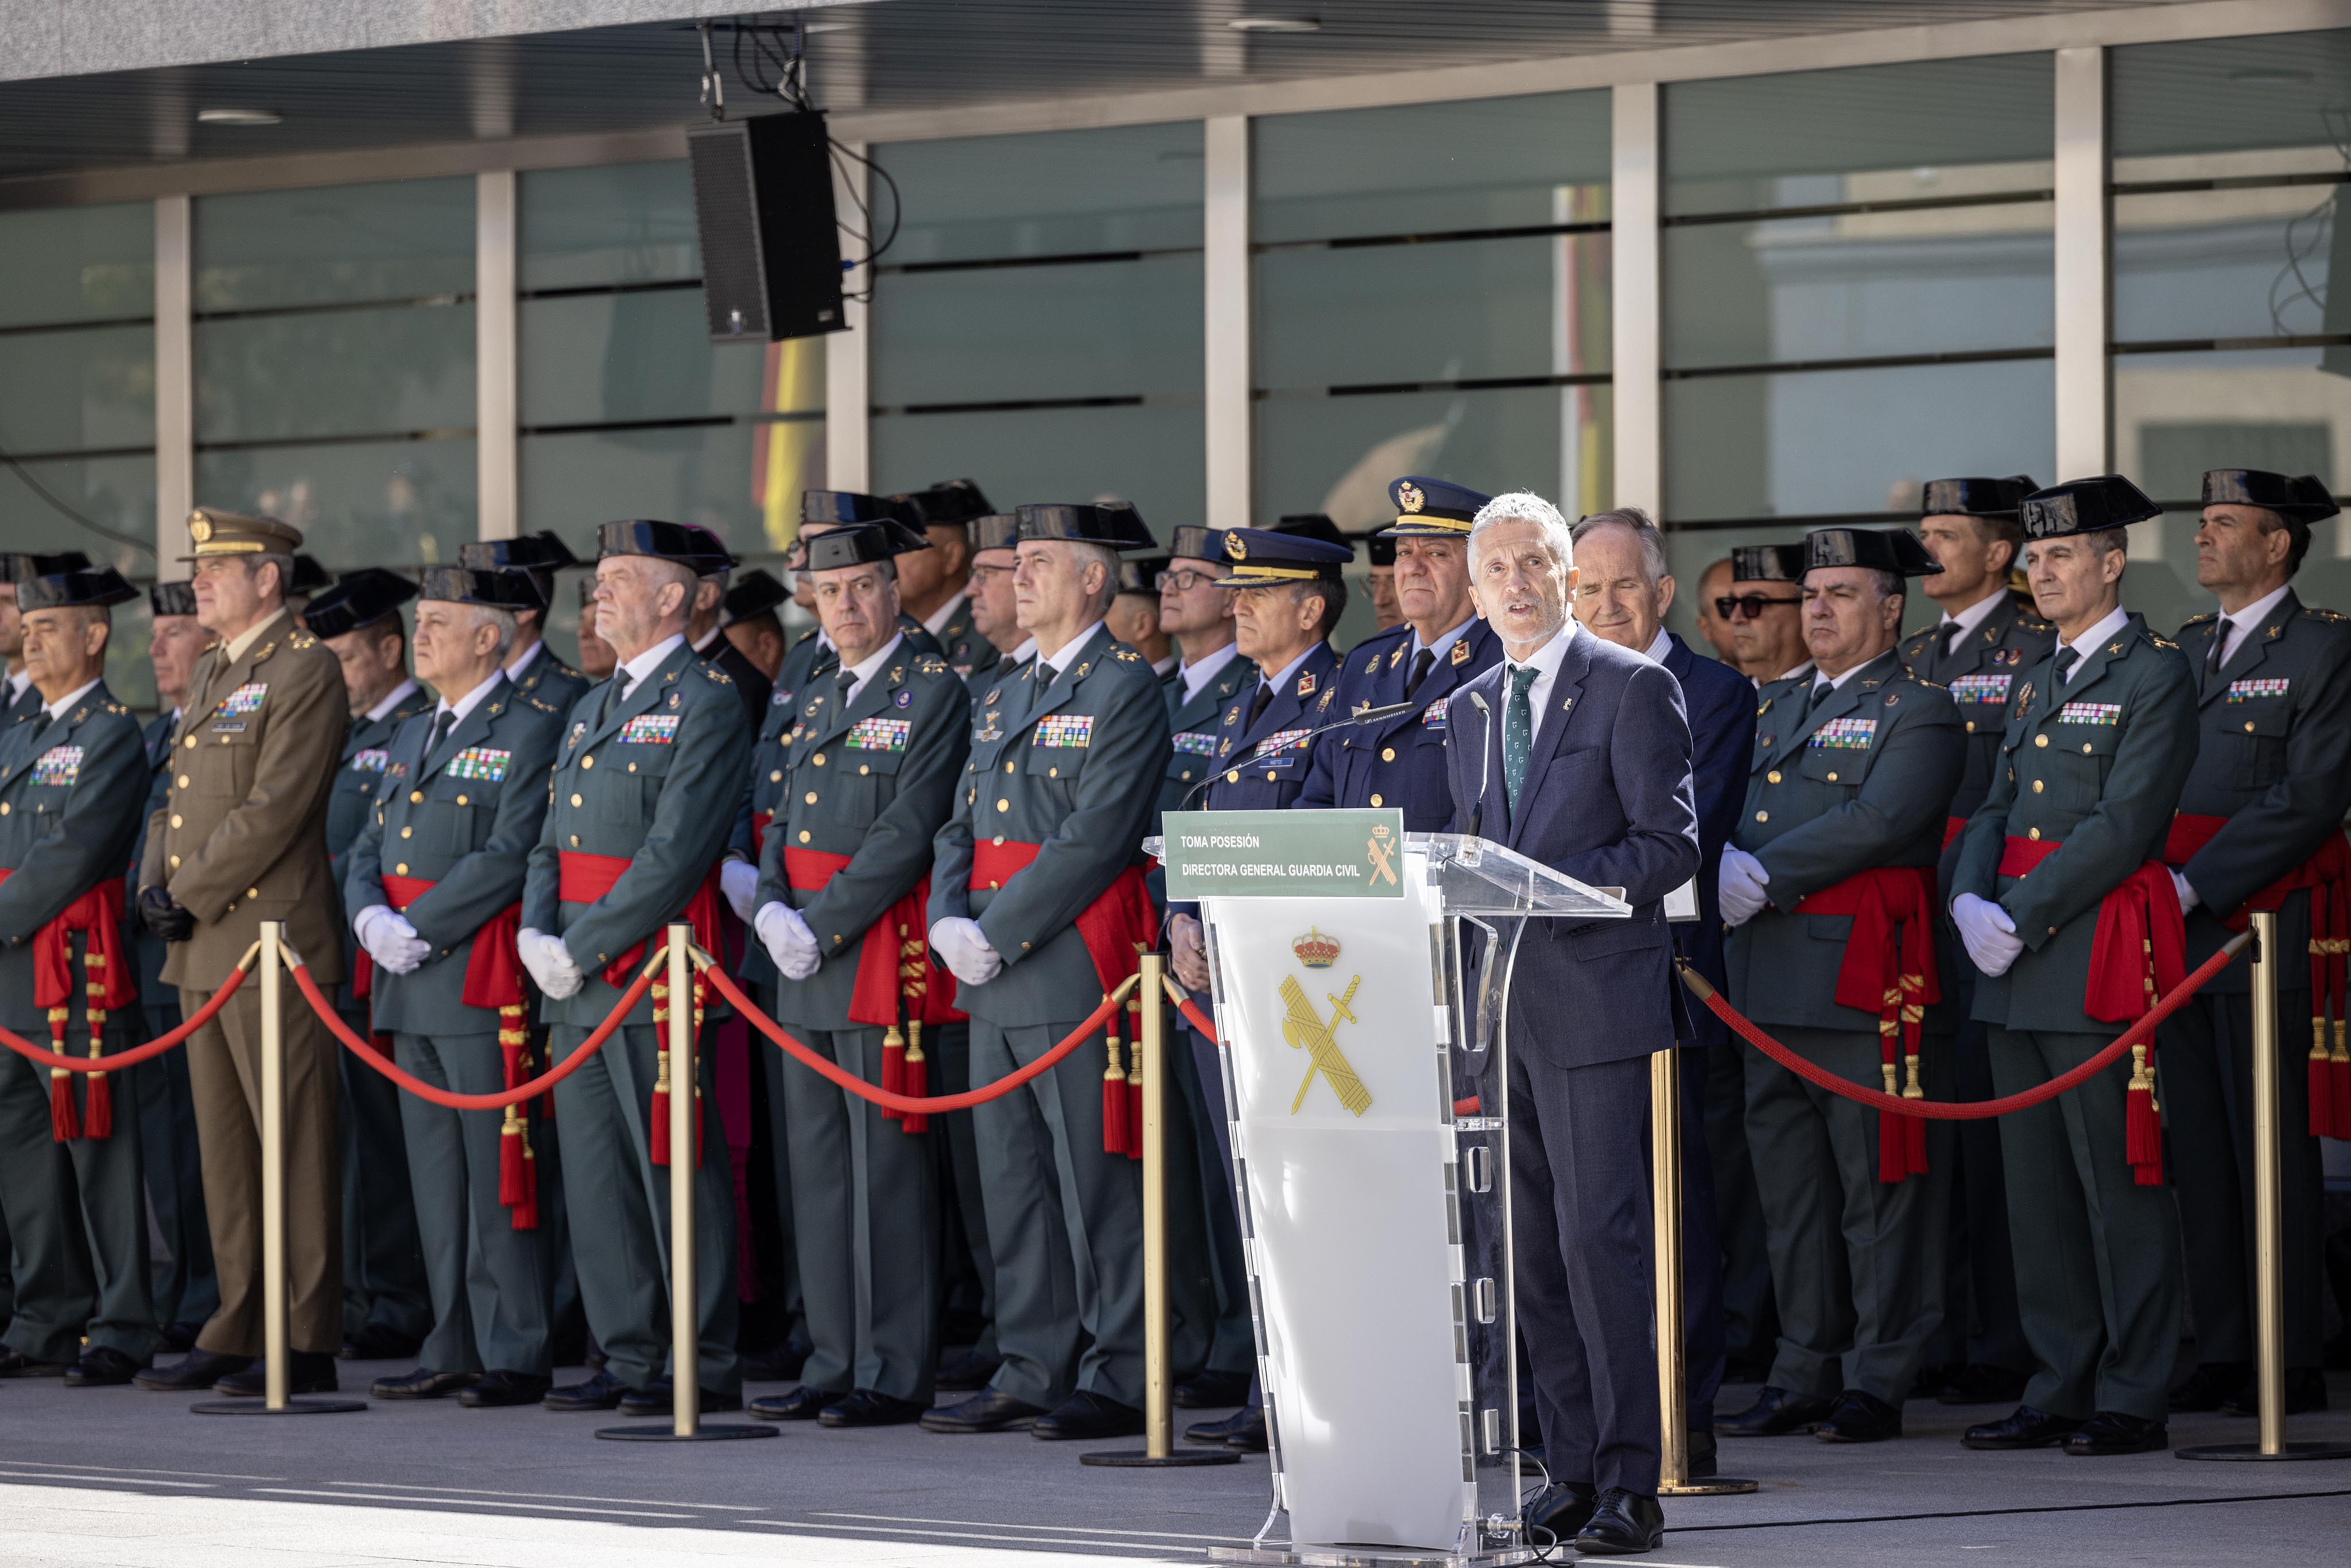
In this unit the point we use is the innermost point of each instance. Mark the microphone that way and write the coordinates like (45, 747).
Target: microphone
(1359, 716)
(1485, 773)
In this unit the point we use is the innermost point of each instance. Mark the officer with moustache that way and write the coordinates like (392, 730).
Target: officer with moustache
(437, 878)
(387, 1305)
(1439, 644)
(186, 1294)
(1830, 883)
(73, 781)
(870, 768)
(1980, 649)
(2259, 827)
(1037, 903)
(533, 666)
(2061, 864)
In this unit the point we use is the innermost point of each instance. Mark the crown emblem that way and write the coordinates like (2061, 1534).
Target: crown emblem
(1315, 950)
(1409, 497)
(1236, 546)
(200, 528)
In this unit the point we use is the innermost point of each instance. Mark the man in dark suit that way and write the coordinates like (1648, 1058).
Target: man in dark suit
(1588, 755)
(1621, 593)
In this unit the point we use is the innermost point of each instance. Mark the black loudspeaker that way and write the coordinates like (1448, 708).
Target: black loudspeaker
(763, 207)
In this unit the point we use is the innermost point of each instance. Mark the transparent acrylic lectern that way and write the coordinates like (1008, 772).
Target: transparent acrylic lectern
(1366, 1077)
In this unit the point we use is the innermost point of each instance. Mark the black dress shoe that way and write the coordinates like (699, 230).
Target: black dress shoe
(421, 1383)
(17, 1364)
(2112, 1432)
(1561, 1510)
(1699, 1459)
(601, 1392)
(659, 1400)
(306, 1372)
(193, 1372)
(2210, 1385)
(2025, 1428)
(180, 1338)
(988, 1411)
(865, 1407)
(1860, 1417)
(1625, 1521)
(1214, 1433)
(101, 1366)
(1775, 1414)
(497, 1390)
(2305, 1390)
(779, 1365)
(1248, 1436)
(1212, 1391)
(1088, 1416)
(1982, 1386)
(967, 1372)
(802, 1403)
(372, 1343)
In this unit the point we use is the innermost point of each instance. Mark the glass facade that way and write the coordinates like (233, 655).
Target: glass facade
(2231, 166)
(627, 408)
(1038, 322)
(334, 365)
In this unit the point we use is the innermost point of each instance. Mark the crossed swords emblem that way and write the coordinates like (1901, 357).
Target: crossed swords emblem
(1304, 1027)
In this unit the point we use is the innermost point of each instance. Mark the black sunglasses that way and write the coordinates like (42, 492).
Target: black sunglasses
(1729, 608)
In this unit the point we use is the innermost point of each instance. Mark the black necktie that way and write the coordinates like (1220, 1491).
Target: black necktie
(2213, 656)
(1951, 636)
(442, 725)
(1257, 707)
(1421, 662)
(2066, 659)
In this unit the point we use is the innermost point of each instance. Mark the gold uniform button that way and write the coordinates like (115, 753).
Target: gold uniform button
(575, 841)
(2248, 729)
(175, 863)
(1004, 805)
(3, 807)
(191, 743)
(1387, 754)
(2040, 740)
(184, 780)
(999, 838)
(175, 819)
(1233, 776)
(1762, 816)
(1056, 773)
(804, 835)
(1971, 726)
(408, 832)
(1832, 778)
(1187, 776)
(2032, 832)
(400, 870)
(2036, 786)
(2085, 744)
(1268, 774)
(1773, 777)
(1007, 768)
(817, 760)
(576, 801)
(776, 777)
(416, 796)
(461, 799)
(863, 770)
(809, 798)
(2052, 931)
(253, 892)
(1376, 799)
(586, 762)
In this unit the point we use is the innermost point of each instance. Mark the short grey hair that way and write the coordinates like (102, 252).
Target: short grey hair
(1642, 527)
(284, 565)
(1525, 506)
(1088, 551)
(502, 619)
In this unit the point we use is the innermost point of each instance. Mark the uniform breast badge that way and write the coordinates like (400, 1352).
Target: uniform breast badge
(246, 698)
(59, 764)
(485, 763)
(1847, 734)
(1065, 729)
(2251, 691)
(878, 735)
(650, 729)
(371, 760)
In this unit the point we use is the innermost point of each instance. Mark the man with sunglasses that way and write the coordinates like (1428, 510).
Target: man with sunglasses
(1766, 629)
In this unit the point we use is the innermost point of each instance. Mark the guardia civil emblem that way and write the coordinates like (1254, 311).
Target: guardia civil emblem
(1304, 1029)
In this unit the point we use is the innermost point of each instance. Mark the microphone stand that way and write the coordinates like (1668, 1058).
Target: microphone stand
(1359, 716)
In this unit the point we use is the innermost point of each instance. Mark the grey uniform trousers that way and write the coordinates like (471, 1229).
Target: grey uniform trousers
(186, 1293)
(383, 1260)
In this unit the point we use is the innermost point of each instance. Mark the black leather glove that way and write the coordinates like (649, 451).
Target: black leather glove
(161, 914)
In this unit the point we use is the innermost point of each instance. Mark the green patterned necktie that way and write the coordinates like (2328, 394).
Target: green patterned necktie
(1518, 731)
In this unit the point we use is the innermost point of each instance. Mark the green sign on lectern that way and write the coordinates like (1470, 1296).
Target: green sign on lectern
(1284, 854)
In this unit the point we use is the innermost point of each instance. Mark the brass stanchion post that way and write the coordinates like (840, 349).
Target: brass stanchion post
(277, 1363)
(1665, 1209)
(2269, 1230)
(684, 1154)
(1158, 1414)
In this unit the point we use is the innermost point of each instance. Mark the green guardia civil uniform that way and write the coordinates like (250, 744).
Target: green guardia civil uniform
(869, 779)
(651, 779)
(1067, 759)
(458, 809)
(2266, 796)
(2093, 763)
(72, 788)
(549, 679)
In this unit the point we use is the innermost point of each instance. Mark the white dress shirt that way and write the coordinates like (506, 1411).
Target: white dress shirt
(56, 710)
(1062, 657)
(1198, 673)
(467, 703)
(863, 671)
(399, 694)
(936, 622)
(2087, 643)
(1973, 616)
(522, 660)
(646, 663)
(2234, 629)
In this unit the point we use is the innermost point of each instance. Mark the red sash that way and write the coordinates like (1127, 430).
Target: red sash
(887, 970)
(2139, 950)
(1952, 828)
(1889, 969)
(108, 984)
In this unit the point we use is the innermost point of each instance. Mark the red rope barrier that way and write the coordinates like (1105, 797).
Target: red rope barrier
(1972, 1110)
(137, 1054)
(911, 1104)
(1192, 1014)
(520, 1092)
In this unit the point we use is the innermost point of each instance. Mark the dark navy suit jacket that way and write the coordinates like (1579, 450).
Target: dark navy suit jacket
(1720, 703)
(1607, 800)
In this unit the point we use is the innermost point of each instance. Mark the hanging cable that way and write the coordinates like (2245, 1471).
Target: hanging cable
(92, 523)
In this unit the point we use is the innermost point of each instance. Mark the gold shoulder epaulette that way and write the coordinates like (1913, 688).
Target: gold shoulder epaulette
(301, 640)
(116, 707)
(931, 664)
(534, 699)
(2199, 620)
(2032, 622)
(804, 636)
(1930, 686)
(1127, 655)
(717, 676)
(2162, 642)
(2316, 613)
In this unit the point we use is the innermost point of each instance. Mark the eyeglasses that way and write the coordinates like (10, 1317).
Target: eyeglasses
(1751, 605)
(1183, 582)
(983, 573)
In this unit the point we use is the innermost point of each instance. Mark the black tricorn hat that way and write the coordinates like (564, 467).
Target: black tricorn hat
(2303, 499)
(1975, 498)
(1312, 526)
(755, 592)
(1113, 523)
(357, 599)
(951, 503)
(85, 585)
(679, 542)
(715, 556)
(861, 546)
(838, 506)
(1896, 551)
(1767, 563)
(176, 597)
(997, 531)
(487, 586)
(16, 566)
(1140, 573)
(1382, 546)
(1196, 543)
(2085, 506)
(541, 551)
(309, 576)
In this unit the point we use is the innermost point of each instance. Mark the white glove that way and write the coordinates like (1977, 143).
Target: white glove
(2188, 899)
(1190, 952)
(739, 881)
(1988, 932)
(1740, 886)
(788, 939)
(549, 963)
(964, 947)
(390, 939)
